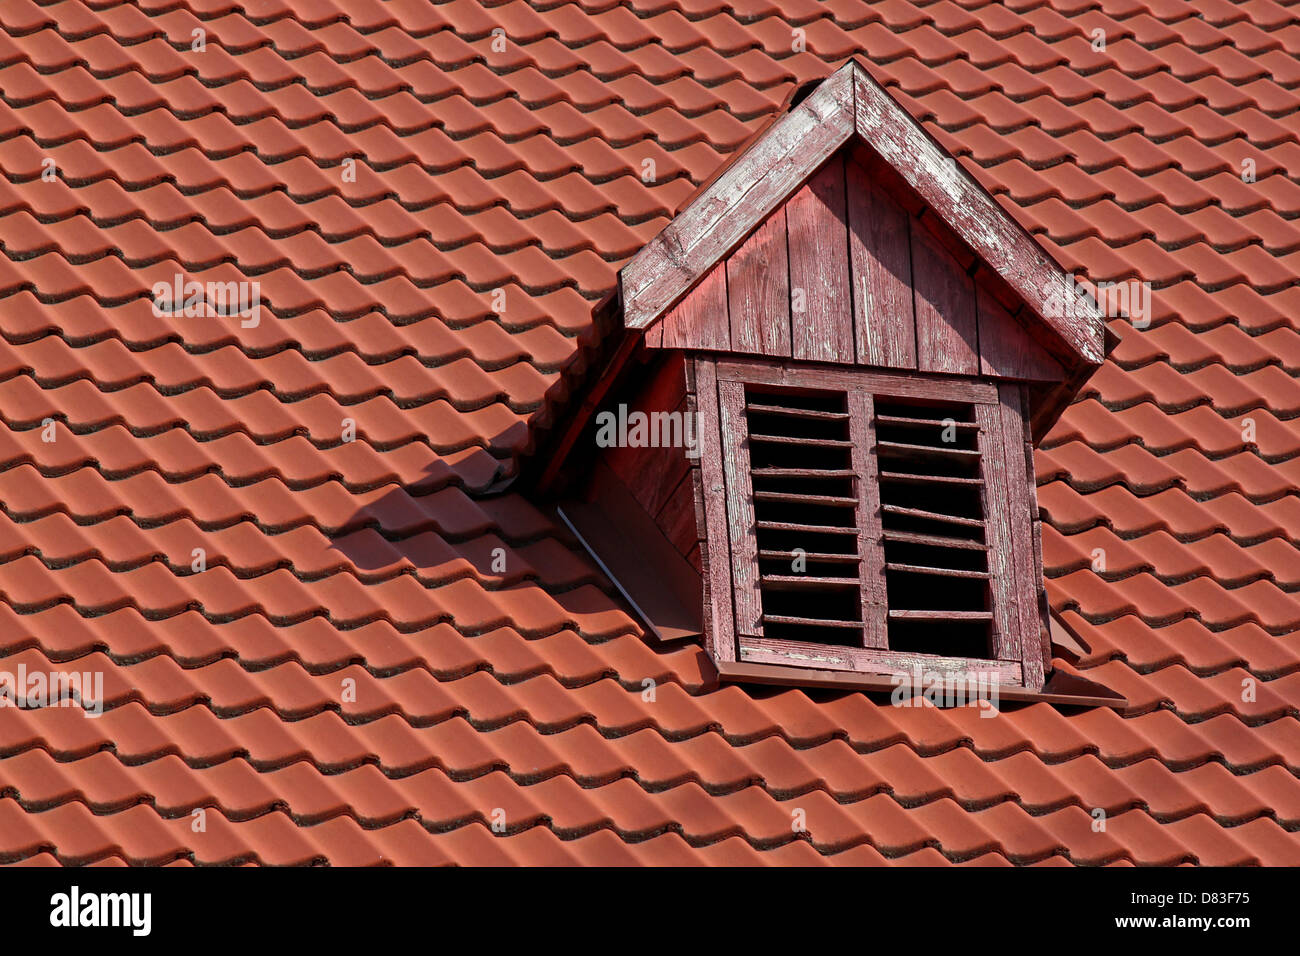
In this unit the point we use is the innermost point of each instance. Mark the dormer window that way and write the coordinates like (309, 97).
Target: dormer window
(869, 512)
(869, 345)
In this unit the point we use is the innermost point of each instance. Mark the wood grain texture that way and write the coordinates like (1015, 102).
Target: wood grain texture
(1021, 512)
(871, 570)
(654, 336)
(946, 328)
(758, 291)
(876, 381)
(880, 254)
(700, 320)
(821, 301)
(1064, 688)
(996, 503)
(1007, 349)
(1042, 604)
(867, 660)
(745, 193)
(719, 631)
(976, 217)
(740, 509)
(1039, 581)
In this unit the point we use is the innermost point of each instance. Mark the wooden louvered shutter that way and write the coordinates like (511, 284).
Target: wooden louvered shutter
(877, 521)
(800, 504)
(1014, 559)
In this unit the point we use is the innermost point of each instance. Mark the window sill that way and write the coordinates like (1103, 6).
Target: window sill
(1062, 688)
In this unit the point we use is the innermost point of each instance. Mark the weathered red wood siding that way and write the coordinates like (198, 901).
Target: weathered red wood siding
(843, 274)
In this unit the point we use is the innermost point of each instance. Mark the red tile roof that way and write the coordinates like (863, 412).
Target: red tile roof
(520, 169)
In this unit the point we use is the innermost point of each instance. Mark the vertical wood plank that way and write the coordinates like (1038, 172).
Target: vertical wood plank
(973, 214)
(1041, 606)
(720, 635)
(821, 300)
(946, 327)
(700, 320)
(740, 509)
(997, 523)
(1021, 511)
(862, 431)
(1044, 610)
(758, 291)
(1007, 350)
(880, 256)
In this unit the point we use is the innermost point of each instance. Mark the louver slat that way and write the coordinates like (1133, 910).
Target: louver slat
(818, 556)
(937, 540)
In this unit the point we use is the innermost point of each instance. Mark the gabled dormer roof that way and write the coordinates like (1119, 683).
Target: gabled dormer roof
(846, 108)
(911, 262)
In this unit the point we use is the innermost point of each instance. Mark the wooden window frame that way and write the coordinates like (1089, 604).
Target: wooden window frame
(725, 499)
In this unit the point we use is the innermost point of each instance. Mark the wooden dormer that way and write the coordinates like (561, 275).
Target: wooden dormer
(868, 344)
(902, 258)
